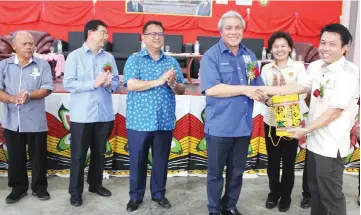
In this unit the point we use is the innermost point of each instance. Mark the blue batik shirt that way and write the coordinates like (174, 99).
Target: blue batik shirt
(152, 109)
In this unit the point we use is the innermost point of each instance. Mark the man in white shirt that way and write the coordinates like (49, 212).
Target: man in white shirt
(333, 83)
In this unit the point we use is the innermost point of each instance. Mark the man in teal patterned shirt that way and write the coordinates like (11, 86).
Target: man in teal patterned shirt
(152, 79)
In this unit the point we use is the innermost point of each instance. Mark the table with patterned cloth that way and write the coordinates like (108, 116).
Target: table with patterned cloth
(188, 151)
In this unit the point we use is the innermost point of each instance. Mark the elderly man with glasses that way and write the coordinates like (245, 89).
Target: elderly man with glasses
(91, 76)
(152, 79)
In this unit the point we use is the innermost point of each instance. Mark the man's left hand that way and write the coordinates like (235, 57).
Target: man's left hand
(109, 77)
(297, 132)
(24, 97)
(172, 78)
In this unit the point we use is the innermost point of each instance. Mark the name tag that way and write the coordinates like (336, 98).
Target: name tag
(224, 64)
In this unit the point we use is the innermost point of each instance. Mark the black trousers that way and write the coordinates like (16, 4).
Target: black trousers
(325, 178)
(306, 189)
(231, 152)
(17, 175)
(286, 151)
(84, 135)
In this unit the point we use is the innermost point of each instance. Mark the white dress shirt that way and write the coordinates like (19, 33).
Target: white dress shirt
(340, 81)
(290, 73)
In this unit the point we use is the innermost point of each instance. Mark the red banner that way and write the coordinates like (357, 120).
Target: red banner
(303, 19)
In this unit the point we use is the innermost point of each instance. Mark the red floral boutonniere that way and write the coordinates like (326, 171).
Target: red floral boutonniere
(318, 93)
(107, 67)
(252, 71)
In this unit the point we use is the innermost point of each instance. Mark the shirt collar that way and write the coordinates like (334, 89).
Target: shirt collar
(335, 65)
(16, 60)
(144, 52)
(289, 63)
(224, 48)
(86, 49)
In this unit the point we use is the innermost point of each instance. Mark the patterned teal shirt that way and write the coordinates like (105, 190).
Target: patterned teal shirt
(153, 109)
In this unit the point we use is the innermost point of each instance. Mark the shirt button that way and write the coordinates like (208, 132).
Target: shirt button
(239, 67)
(245, 102)
(241, 79)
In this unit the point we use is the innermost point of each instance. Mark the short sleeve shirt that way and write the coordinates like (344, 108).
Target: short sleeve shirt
(339, 82)
(152, 109)
(227, 117)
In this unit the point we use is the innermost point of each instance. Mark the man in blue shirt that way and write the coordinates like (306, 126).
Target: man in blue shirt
(152, 79)
(230, 92)
(25, 81)
(91, 76)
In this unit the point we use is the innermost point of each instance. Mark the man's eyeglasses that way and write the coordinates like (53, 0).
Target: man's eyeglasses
(103, 33)
(155, 34)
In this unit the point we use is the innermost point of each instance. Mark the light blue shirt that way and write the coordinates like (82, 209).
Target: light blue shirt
(152, 109)
(87, 104)
(31, 116)
(227, 117)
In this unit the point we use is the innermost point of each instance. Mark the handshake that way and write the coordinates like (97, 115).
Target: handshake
(103, 79)
(256, 93)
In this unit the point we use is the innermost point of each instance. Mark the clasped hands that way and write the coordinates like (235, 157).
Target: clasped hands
(20, 98)
(168, 77)
(103, 79)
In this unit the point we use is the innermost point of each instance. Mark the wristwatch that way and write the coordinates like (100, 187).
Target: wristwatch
(29, 95)
(266, 102)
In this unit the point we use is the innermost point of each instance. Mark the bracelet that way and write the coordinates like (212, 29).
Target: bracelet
(29, 95)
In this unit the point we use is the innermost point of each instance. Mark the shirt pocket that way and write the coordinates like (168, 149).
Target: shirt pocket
(328, 87)
(226, 73)
(85, 72)
(290, 77)
(329, 83)
(32, 82)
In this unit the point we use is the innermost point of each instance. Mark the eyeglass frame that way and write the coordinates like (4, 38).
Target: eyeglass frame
(155, 34)
(102, 33)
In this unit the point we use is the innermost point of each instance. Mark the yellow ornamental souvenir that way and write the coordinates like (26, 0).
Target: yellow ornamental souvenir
(286, 114)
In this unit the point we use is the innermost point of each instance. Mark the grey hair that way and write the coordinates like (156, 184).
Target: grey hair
(13, 36)
(231, 14)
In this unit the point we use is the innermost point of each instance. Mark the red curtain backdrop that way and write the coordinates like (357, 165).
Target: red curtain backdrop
(303, 19)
